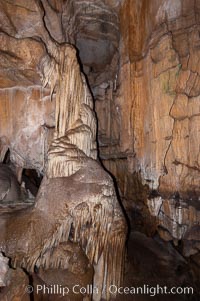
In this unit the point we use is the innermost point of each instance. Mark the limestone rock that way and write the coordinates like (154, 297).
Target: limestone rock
(175, 215)
(17, 288)
(88, 207)
(77, 199)
(19, 60)
(31, 124)
(158, 109)
(9, 186)
(191, 241)
(141, 59)
(68, 267)
(4, 270)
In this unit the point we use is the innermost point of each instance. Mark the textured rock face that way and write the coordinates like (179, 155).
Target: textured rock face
(93, 28)
(82, 208)
(4, 270)
(157, 104)
(77, 199)
(141, 59)
(30, 115)
(151, 121)
(16, 289)
(74, 268)
(9, 186)
(175, 216)
(164, 118)
(19, 60)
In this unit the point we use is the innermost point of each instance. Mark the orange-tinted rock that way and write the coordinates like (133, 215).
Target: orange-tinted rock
(142, 62)
(153, 84)
(16, 289)
(19, 60)
(157, 106)
(30, 116)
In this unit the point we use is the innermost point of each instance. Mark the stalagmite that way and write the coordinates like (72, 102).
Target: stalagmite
(77, 200)
(73, 147)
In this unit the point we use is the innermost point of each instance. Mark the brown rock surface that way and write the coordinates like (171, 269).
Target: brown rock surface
(141, 59)
(16, 289)
(9, 186)
(164, 120)
(30, 115)
(74, 269)
(157, 106)
(19, 59)
(140, 117)
(88, 213)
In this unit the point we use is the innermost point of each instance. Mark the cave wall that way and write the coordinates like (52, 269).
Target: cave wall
(165, 93)
(25, 104)
(156, 159)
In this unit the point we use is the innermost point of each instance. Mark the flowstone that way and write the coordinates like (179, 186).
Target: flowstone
(77, 200)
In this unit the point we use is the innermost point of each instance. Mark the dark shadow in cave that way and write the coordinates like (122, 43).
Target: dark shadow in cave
(32, 180)
(6, 159)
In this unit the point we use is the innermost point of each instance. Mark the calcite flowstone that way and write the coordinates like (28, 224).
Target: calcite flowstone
(77, 199)
(74, 272)
(82, 208)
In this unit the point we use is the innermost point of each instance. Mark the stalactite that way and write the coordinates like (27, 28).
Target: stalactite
(89, 214)
(73, 145)
(75, 119)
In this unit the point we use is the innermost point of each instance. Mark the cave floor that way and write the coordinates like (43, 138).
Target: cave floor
(152, 262)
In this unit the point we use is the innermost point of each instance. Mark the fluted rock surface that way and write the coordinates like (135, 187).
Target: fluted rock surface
(141, 59)
(77, 199)
(157, 107)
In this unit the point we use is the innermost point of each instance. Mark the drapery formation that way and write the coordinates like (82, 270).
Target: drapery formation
(75, 132)
(77, 200)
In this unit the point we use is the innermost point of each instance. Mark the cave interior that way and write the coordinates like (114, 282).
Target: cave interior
(99, 150)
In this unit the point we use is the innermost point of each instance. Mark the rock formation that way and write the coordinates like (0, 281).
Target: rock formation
(9, 186)
(4, 270)
(77, 199)
(133, 67)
